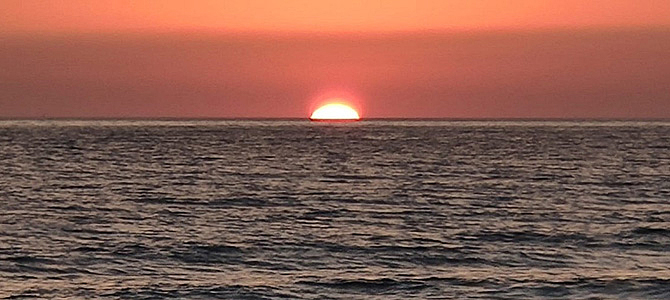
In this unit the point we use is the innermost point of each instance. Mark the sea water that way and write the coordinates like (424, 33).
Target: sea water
(364, 210)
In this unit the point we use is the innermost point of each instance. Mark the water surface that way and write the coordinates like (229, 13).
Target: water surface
(366, 210)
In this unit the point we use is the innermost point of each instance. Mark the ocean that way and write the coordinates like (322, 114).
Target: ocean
(288, 209)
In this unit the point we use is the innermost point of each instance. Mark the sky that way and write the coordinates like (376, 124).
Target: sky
(280, 59)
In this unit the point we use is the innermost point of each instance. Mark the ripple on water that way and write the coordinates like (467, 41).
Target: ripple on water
(373, 210)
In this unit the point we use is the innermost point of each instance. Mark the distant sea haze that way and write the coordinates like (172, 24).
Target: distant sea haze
(588, 73)
(244, 209)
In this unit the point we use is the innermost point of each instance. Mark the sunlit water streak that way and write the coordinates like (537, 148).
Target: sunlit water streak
(367, 210)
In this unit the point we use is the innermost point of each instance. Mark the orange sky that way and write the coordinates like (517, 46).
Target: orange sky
(437, 59)
(325, 15)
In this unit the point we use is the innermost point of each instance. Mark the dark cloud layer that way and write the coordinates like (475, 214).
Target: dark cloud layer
(543, 74)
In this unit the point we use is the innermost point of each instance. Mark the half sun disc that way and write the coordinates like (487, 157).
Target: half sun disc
(335, 112)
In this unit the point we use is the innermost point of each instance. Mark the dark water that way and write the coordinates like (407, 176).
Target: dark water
(370, 210)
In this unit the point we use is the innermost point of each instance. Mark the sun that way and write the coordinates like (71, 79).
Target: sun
(335, 112)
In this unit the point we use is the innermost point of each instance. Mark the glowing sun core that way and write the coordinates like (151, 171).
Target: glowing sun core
(335, 111)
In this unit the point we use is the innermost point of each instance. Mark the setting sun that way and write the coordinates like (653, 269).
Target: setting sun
(335, 111)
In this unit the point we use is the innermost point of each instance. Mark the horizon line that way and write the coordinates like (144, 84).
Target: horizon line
(530, 119)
